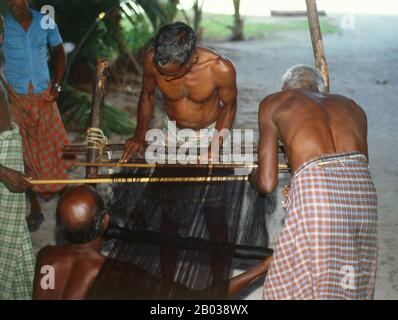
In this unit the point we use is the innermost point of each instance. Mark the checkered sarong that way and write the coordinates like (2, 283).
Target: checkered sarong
(43, 137)
(328, 245)
(16, 253)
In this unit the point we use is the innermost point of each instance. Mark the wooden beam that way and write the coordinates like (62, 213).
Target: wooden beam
(96, 106)
(317, 41)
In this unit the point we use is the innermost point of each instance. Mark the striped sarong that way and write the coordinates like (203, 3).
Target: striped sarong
(16, 253)
(328, 245)
(43, 137)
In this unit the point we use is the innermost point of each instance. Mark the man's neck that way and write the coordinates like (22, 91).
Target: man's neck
(24, 19)
(93, 246)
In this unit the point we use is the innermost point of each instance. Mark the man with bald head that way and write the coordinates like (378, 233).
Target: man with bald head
(83, 219)
(82, 216)
(328, 245)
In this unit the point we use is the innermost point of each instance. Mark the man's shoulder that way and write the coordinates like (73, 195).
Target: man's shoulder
(46, 252)
(37, 15)
(221, 66)
(52, 253)
(274, 99)
(211, 56)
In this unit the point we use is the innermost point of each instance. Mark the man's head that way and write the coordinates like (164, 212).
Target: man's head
(173, 49)
(81, 214)
(303, 77)
(18, 8)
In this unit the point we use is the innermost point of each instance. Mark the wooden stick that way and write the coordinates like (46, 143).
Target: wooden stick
(98, 100)
(281, 166)
(139, 180)
(317, 41)
(118, 147)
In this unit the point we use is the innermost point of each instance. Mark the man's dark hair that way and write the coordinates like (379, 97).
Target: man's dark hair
(174, 43)
(90, 231)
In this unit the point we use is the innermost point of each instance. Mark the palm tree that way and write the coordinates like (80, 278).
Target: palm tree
(197, 18)
(238, 34)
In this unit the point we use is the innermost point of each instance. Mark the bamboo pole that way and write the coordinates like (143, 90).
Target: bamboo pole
(140, 180)
(116, 147)
(317, 41)
(281, 166)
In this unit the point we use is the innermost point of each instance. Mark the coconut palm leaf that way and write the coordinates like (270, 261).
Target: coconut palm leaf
(75, 107)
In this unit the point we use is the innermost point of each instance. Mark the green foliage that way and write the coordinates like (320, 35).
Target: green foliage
(136, 32)
(132, 23)
(75, 106)
(218, 26)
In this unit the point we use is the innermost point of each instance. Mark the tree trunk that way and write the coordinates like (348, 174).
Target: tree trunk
(238, 34)
(317, 41)
(197, 10)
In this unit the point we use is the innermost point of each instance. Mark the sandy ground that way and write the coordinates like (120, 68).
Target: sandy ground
(363, 64)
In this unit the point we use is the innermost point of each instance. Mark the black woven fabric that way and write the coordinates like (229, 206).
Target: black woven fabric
(177, 240)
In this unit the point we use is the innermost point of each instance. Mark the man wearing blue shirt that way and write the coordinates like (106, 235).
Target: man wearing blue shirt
(33, 96)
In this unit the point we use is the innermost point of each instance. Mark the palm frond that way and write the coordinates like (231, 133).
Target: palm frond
(75, 107)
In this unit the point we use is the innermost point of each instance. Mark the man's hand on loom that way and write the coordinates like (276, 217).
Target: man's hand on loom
(13, 180)
(133, 146)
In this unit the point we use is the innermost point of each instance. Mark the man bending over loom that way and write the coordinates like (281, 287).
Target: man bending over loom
(82, 215)
(200, 93)
(198, 86)
(328, 245)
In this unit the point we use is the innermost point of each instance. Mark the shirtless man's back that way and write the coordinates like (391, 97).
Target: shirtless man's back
(76, 266)
(330, 227)
(75, 269)
(312, 124)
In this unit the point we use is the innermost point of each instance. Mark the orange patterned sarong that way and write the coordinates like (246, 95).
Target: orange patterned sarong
(43, 137)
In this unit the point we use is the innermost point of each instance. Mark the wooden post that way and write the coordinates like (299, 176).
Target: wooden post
(317, 41)
(96, 106)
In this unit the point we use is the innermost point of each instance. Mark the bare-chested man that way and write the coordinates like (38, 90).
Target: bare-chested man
(200, 93)
(198, 86)
(328, 245)
(82, 215)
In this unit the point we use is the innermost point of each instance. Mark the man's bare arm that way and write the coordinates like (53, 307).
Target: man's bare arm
(5, 119)
(225, 76)
(241, 281)
(59, 67)
(145, 110)
(265, 178)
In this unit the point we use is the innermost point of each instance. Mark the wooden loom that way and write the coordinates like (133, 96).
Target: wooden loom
(93, 153)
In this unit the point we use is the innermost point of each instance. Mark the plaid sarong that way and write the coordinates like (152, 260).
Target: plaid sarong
(16, 253)
(43, 137)
(328, 245)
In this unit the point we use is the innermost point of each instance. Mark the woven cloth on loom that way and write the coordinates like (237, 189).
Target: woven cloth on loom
(211, 219)
(328, 245)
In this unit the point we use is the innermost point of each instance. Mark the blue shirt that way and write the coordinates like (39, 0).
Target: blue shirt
(26, 53)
